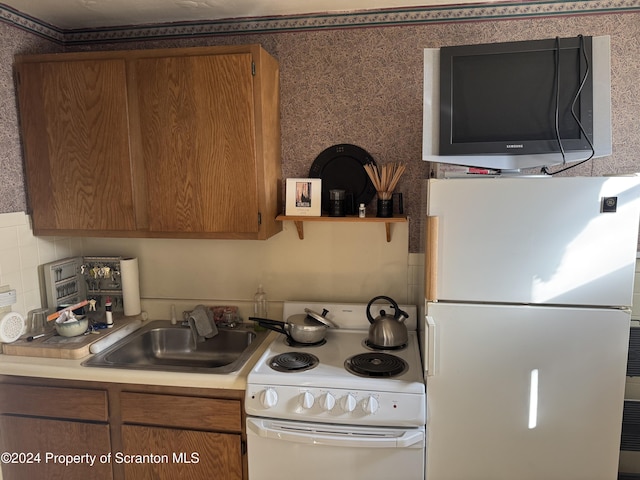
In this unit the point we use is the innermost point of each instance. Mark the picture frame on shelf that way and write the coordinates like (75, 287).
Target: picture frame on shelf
(303, 197)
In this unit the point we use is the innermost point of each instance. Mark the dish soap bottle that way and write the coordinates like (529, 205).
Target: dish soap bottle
(260, 306)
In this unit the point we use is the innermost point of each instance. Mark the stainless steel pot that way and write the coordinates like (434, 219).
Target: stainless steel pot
(309, 327)
(387, 331)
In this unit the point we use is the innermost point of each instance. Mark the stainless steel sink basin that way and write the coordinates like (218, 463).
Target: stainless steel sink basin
(162, 346)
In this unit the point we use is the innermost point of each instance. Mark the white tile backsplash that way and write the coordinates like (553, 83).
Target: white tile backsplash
(20, 255)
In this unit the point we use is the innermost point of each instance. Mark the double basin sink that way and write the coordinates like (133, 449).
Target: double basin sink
(160, 345)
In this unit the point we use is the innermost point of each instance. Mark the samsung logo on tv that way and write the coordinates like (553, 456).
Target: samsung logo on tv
(515, 145)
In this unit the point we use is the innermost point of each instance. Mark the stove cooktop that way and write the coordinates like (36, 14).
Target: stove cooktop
(330, 371)
(324, 390)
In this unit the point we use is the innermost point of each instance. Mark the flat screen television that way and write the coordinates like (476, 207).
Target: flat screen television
(508, 106)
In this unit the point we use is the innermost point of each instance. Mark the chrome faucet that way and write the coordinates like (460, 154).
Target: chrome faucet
(195, 336)
(190, 324)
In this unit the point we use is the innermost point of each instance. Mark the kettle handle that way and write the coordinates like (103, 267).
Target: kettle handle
(393, 303)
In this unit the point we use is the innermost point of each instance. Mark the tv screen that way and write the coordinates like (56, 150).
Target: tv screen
(500, 98)
(508, 105)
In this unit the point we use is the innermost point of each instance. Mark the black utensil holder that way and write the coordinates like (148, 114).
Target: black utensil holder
(384, 208)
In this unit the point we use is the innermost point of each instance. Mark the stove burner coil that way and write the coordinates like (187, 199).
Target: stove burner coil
(375, 364)
(293, 362)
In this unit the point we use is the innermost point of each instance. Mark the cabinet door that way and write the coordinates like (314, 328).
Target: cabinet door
(40, 440)
(197, 134)
(180, 454)
(76, 143)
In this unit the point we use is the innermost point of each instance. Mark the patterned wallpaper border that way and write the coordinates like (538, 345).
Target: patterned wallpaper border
(31, 24)
(370, 18)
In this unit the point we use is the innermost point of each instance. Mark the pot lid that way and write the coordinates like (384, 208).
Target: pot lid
(319, 318)
(303, 320)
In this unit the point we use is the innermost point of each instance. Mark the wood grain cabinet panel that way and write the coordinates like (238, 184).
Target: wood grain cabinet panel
(196, 121)
(171, 143)
(50, 441)
(193, 437)
(72, 403)
(179, 411)
(181, 454)
(75, 128)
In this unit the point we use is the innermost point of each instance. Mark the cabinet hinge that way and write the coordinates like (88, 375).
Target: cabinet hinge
(243, 447)
(253, 68)
(259, 218)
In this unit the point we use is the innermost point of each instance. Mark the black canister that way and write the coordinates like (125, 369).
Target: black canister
(336, 203)
(385, 208)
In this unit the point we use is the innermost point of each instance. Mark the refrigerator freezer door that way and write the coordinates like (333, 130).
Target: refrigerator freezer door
(525, 393)
(534, 240)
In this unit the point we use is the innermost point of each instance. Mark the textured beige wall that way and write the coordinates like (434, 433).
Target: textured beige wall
(13, 41)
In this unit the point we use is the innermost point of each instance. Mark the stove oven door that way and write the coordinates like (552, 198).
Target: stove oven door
(284, 450)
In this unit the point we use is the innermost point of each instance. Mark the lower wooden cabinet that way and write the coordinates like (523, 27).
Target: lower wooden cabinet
(53, 432)
(180, 454)
(46, 448)
(191, 437)
(79, 430)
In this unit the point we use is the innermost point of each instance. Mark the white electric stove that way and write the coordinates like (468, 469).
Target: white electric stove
(341, 405)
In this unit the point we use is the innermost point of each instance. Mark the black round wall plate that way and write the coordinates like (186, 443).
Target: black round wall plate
(341, 167)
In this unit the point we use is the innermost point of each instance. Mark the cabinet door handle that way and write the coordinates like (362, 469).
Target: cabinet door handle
(431, 259)
(430, 357)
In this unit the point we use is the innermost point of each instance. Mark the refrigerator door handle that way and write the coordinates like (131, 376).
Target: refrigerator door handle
(431, 259)
(430, 357)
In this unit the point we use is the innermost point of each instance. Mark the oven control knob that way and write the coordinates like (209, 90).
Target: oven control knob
(348, 403)
(328, 402)
(307, 400)
(370, 405)
(269, 398)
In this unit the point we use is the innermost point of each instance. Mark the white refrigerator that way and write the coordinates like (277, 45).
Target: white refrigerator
(528, 290)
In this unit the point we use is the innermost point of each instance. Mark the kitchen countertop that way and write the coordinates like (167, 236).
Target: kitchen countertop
(73, 370)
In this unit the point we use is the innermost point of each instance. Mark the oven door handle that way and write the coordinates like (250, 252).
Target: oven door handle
(317, 436)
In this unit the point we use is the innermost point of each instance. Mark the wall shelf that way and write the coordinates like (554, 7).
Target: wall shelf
(299, 221)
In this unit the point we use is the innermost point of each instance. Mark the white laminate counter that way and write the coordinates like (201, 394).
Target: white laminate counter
(73, 370)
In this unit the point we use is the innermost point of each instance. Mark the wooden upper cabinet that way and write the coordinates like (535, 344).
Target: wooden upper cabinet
(177, 143)
(198, 148)
(76, 143)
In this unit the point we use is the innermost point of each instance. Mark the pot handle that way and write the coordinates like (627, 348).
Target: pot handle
(270, 324)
